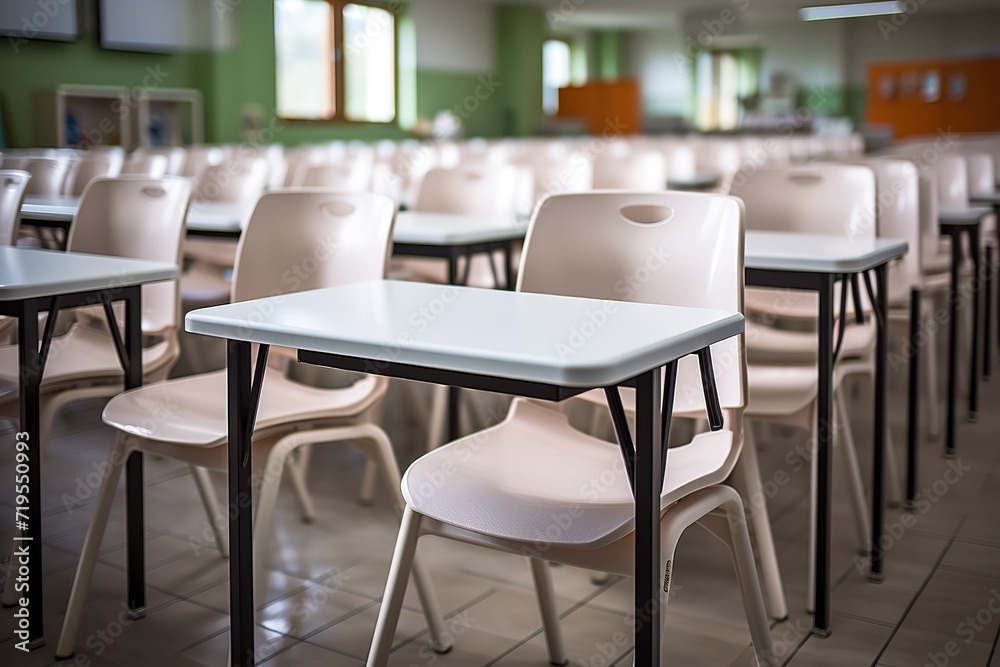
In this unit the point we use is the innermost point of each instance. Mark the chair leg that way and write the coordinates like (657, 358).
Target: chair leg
(369, 479)
(297, 472)
(395, 589)
(438, 417)
(751, 488)
(845, 443)
(895, 484)
(382, 455)
(95, 534)
(216, 518)
(542, 575)
(731, 528)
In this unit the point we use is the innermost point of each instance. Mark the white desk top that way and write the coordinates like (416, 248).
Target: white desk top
(446, 229)
(49, 208)
(963, 216)
(530, 337)
(28, 272)
(208, 216)
(990, 198)
(817, 253)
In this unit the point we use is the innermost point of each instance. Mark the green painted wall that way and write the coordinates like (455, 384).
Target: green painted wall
(608, 54)
(520, 34)
(474, 98)
(37, 65)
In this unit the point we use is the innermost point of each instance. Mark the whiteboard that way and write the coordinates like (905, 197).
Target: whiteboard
(158, 26)
(31, 19)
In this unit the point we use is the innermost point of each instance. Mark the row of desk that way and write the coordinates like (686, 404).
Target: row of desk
(350, 327)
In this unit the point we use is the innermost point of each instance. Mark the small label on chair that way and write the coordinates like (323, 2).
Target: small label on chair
(666, 578)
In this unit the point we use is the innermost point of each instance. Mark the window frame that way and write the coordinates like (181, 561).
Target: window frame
(339, 92)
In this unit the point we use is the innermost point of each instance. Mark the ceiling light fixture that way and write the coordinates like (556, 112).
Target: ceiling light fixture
(856, 10)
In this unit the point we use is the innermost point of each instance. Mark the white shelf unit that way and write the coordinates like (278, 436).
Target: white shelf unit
(99, 115)
(169, 117)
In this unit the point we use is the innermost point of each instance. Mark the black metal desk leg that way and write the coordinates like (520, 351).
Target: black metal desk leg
(648, 574)
(956, 259)
(135, 544)
(241, 607)
(912, 399)
(28, 546)
(454, 406)
(452, 267)
(974, 364)
(824, 432)
(987, 312)
(881, 424)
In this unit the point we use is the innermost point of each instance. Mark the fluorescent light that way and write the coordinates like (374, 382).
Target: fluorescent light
(851, 11)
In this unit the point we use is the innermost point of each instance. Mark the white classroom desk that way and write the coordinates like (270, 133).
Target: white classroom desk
(493, 340)
(34, 281)
(815, 262)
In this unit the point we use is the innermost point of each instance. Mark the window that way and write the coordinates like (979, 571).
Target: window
(723, 79)
(313, 83)
(555, 73)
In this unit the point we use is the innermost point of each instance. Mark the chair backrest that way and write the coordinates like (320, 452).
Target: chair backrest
(13, 184)
(48, 175)
(176, 157)
(980, 173)
(630, 170)
(239, 183)
(897, 184)
(672, 248)
(352, 176)
(198, 159)
(558, 172)
(146, 164)
(139, 218)
(490, 190)
(835, 199)
(96, 165)
(952, 179)
(332, 238)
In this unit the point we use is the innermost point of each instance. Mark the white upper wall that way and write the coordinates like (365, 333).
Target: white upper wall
(811, 54)
(454, 35)
(657, 58)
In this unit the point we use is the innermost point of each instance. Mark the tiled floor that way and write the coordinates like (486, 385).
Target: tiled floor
(939, 604)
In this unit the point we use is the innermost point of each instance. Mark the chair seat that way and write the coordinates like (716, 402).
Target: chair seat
(780, 390)
(192, 410)
(83, 355)
(535, 478)
(769, 344)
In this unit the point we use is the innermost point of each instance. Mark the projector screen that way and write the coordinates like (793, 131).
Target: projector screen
(158, 26)
(29, 19)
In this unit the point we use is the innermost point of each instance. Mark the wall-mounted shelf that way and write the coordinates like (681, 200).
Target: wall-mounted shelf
(73, 116)
(169, 117)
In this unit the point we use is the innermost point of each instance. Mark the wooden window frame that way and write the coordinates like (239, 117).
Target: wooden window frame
(337, 48)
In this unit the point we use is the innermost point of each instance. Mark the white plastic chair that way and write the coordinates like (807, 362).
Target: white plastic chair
(13, 184)
(504, 495)
(281, 233)
(197, 159)
(83, 363)
(48, 175)
(832, 199)
(144, 164)
(637, 170)
(176, 157)
(103, 164)
(354, 176)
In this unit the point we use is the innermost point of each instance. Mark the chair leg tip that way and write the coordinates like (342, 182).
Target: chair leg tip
(308, 520)
(559, 664)
(780, 619)
(442, 650)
